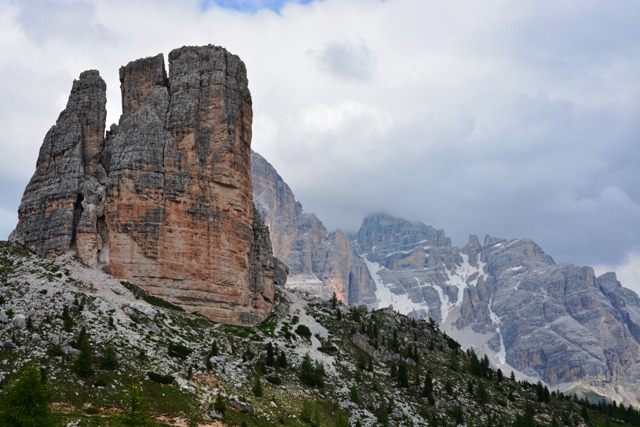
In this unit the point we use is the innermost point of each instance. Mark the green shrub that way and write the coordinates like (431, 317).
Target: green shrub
(178, 350)
(304, 332)
(159, 378)
(274, 379)
(140, 293)
(55, 350)
(91, 410)
(100, 381)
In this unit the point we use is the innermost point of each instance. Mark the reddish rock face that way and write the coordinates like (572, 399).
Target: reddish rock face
(165, 200)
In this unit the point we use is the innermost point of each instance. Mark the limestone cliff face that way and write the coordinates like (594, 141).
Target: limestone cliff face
(165, 199)
(320, 263)
(511, 301)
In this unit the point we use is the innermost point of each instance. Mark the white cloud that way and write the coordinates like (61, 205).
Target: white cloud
(498, 117)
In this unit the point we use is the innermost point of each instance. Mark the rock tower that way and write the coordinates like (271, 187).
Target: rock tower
(164, 198)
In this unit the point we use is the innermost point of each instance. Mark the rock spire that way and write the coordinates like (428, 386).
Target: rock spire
(164, 200)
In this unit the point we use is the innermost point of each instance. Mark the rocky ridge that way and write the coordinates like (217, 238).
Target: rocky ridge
(164, 198)
(505, 298)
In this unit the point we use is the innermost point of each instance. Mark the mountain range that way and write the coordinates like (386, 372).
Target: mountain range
(505, 298)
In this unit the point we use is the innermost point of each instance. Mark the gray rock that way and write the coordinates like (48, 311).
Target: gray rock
(319, 263)
(67, 170)
(135, 308)
(396, 414)
(19, 321)
(239, 406)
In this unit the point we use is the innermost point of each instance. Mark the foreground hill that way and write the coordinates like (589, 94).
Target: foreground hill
(318, 362)
(505, 298)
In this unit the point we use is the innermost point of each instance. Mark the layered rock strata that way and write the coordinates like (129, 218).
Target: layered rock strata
(165, 199)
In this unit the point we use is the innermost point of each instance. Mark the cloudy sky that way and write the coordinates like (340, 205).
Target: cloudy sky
(504, 117)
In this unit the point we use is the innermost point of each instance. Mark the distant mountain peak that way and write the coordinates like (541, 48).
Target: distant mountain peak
(506, 298)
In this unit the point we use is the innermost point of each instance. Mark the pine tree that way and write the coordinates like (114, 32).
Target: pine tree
(25, 403)
(270, 355)
(395, 343)
(485, 367)
(134, 414)
(354, 394)
(84, 364)
(258, 390)
(109, 359)
(453, 361)
(306, 372)
(214, 349)
(427, 391)
(319, 374)
(282, 359)
(403, 375)
(219, 405)
(481, 393)
(67, 320)
(362, 361)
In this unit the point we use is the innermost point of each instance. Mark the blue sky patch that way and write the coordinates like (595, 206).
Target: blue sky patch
(250, 5)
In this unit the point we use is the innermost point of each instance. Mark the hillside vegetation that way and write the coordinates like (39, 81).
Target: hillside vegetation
(105, 353)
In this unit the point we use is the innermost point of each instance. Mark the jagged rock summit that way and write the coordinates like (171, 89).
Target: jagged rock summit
(164, 198)
(506, 298)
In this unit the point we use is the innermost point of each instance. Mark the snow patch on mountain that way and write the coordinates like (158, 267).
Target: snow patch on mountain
(502, 353)
(385, 297)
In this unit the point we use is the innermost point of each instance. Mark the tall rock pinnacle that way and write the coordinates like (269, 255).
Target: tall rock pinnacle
(165, 200)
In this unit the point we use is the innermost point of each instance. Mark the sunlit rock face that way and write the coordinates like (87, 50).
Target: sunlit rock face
(164, 200)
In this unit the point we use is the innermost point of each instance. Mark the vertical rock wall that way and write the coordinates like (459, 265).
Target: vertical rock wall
(165, 199)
